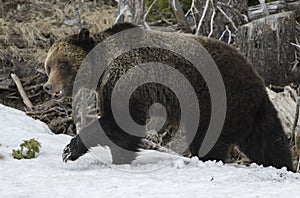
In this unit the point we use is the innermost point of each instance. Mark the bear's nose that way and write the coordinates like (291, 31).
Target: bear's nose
(47, 87)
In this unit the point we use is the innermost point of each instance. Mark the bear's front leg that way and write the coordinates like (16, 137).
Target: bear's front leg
(88, 137)
(74, 149)
(122, 145)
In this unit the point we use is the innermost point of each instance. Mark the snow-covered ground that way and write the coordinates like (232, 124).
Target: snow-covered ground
(48, 176)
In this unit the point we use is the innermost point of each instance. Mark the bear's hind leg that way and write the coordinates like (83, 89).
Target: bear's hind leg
(267, 143)
(219, 151)
(278, 153)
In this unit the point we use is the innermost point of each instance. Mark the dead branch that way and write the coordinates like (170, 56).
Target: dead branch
(125, 14)
(227, 17)
(243, 17)
(20, 88)
(212, 21)
(202, 17)
(121, 17)
(145, 16)
(177, 9)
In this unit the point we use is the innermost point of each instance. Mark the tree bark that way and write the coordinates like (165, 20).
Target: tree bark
(139, 12)
(266, 43)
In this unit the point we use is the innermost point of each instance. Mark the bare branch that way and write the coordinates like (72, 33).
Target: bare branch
(227, 17)
(296, 45)
(202, 17)
(145, 16)
(229, 34)
(120, 18)
(191, 10)
(180, 15)
(243, 17)
(20, 88)
(212, 21)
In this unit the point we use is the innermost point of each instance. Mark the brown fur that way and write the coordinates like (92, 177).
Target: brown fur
(251, 120)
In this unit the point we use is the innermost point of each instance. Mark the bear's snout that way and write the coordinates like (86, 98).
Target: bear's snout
(47, 87)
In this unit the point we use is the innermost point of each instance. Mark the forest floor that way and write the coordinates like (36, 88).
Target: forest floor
(26, 28)
(25, 31)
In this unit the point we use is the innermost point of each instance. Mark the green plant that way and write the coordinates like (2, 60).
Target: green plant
(29, 149)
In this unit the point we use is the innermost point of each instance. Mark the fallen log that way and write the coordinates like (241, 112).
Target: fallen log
(256, 12)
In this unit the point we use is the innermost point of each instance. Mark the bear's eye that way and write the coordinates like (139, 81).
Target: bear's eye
(62, 65)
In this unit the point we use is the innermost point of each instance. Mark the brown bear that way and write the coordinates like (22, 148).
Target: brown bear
(251, 120)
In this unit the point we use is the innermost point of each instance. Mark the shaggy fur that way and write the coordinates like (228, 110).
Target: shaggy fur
(251, 120)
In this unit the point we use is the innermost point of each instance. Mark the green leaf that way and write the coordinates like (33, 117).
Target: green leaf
(30, 154)
(32, 146)
(17, 154)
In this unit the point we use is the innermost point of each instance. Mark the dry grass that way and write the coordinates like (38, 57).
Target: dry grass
(25, 30)
(26, 27)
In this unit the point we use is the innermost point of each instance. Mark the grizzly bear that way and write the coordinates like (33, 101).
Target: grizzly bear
(251, 120)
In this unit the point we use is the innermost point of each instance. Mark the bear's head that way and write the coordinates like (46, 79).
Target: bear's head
(66, 55)
(63, 61)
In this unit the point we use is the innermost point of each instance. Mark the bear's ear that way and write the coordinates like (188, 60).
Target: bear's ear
(51, 41)
(84, 34)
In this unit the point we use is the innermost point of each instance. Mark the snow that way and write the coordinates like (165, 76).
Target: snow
(153, 174)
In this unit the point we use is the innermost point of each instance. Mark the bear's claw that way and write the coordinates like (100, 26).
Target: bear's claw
(66, 154)
(74, 150)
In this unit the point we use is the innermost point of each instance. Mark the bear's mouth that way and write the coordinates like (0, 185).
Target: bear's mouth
(59, 94)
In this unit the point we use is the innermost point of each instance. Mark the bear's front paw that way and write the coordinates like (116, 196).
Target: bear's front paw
(74, 150)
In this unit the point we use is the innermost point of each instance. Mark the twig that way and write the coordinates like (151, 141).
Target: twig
(212, 21)
(120, 17)
(20, 88)
(223, 34)
(191, 11)
(243, 17)
(294, 44)
(202, 17)
(296, 62)
(145, 16)
(227, 17)
(229, 34)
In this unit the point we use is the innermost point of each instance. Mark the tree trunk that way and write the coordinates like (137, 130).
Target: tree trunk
(267, 45)
(139, 12)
